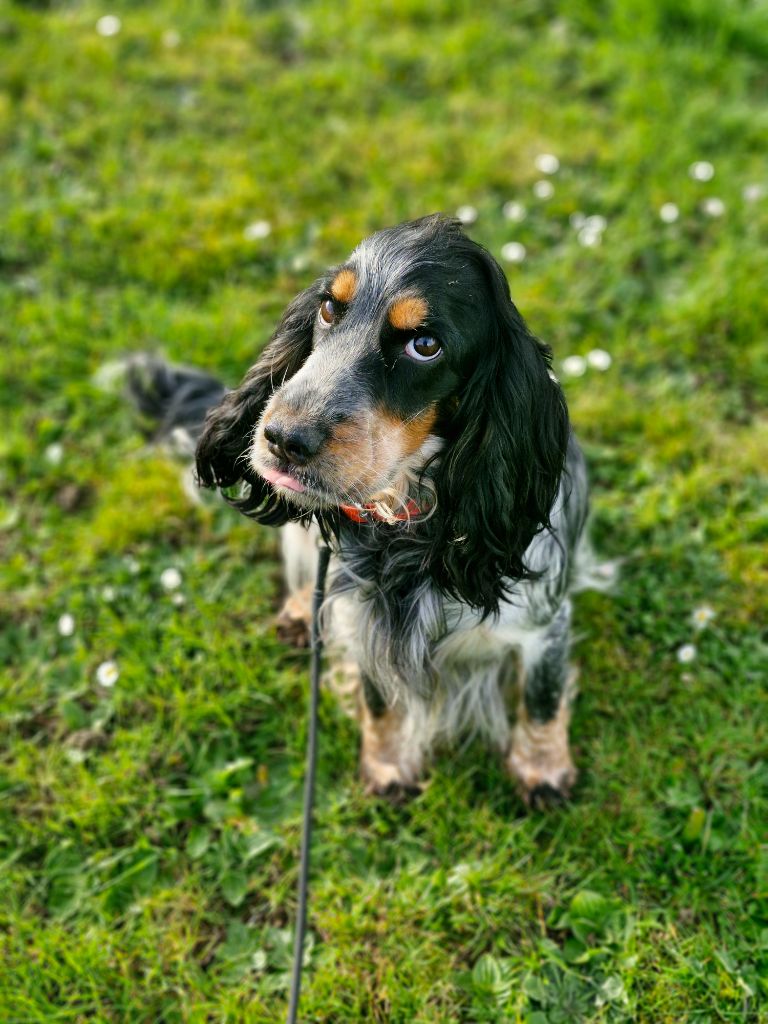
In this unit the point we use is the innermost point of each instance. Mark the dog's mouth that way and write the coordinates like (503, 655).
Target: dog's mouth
(284, 480)
(299, 486)
(353, 470)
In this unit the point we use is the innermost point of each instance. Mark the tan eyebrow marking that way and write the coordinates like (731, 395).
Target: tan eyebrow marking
(344, 285)
(408, 313)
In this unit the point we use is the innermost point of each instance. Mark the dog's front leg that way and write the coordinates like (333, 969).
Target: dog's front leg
(391, 756)
(299, 548)
(539, 757)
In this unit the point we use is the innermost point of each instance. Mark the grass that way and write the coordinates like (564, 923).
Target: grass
(149, 832)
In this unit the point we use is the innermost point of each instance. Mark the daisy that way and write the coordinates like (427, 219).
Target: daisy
(108, 25)
(547, 163)
(257, 230)
(713, 207)
(513, 252)
(702, 616)
(107, 674)
(514, 211)
(66, 624)
(467, 214)
(170, 579)
(751, 193)
(543, 189)
(686, 654)
(589, 237)
(669, 213)
(596, 222)
(599, 359)
(702, 170)
(54, 453)
(574, 366)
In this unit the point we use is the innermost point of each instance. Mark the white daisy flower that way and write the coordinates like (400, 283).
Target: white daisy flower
(171, 39)
(574, 366)
(108, 594)
(170, 579)
(577, 220)
(589, 237)
(543, 189)
(467, 214)
(257, 230)
(713, 207)
(686, 654)
(514, 211)
(702, 170)
(547, 163)
(599, 359)
(751, 193)
(299, 262)
(513, 252)
(107, 674)
(108, 25)
(54, 453)
(596, 222)
(178, 599)
(66, 624)
(133, 567)
(669, 213)
(702, 616)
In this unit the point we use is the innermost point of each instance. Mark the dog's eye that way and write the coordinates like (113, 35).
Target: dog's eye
(423, 349)
(327, 313)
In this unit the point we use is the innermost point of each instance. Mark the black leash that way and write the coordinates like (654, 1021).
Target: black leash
(309, 783)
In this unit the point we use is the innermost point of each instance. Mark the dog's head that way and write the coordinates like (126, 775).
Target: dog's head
(408, 359)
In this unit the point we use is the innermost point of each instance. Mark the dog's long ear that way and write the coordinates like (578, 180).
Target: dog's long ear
(222, 451)
(499, 477)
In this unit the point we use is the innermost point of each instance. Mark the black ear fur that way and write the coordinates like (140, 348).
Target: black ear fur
(498, 479)
(227, 434)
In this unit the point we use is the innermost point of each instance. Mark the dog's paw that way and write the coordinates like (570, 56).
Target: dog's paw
(293, 632)
(396, 793)
(545, 797)
(294, 621)
(388, 781)
(539, 761)
(542, 787)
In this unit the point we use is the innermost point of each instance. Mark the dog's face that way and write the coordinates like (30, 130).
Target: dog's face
(411, 349)
(393, 331)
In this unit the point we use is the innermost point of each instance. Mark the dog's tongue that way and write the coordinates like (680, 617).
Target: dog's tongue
(282, 480)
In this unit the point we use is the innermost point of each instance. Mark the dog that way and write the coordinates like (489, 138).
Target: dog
(403, 411)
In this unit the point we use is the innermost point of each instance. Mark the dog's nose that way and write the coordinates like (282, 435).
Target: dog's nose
(296, 444)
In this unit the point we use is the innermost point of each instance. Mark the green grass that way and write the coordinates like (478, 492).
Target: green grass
(149, 832)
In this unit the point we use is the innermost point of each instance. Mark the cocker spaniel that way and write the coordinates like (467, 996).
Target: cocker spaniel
(403, 409)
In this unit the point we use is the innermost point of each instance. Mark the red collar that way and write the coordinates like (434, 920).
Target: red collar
(369, 513)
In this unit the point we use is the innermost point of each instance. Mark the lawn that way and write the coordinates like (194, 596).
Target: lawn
(170, 186)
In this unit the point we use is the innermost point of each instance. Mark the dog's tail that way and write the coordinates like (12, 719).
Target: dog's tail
(591, 573)
(173, 400)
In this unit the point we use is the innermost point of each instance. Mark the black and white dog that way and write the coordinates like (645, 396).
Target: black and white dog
(404, 409)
